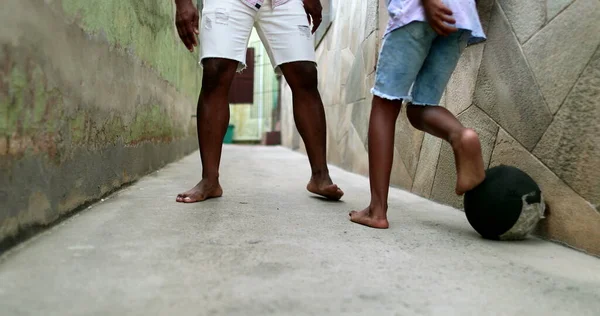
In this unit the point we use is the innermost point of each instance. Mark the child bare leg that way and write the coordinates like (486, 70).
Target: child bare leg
(382, 125)
(417, 58)
(441, 123)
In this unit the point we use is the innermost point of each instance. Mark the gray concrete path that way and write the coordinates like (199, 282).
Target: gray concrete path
(269, 247)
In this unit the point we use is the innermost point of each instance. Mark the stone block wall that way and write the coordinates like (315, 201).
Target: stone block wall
(532, 92)
(93, 94)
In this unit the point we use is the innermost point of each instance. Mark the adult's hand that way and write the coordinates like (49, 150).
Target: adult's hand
(438, 14)
(313, 10)
(186, 20)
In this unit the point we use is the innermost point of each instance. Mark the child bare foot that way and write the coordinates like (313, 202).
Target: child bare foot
(370, 217)
(469, 161)
(204, 190)
(325, 187)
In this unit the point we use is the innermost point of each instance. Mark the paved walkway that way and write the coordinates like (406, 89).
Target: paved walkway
(268, 247)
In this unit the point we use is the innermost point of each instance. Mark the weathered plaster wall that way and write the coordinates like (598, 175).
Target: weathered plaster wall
(531, 92)
(93, 94)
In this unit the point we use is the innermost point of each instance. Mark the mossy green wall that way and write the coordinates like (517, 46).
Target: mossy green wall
(93, 94)
(144, 28)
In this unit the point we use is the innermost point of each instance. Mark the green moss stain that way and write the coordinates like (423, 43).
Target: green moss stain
(36, 102)
(40, 95)
(32, 112)
(152, 123)
(4, 101)
(144, 27)
(28, 107)
(77, 127)
(17, 84)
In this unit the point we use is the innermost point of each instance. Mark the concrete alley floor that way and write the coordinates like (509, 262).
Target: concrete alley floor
(269, 247)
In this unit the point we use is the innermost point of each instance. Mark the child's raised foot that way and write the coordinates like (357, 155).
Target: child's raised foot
(369, 218)
(469, 161)
(325, 188)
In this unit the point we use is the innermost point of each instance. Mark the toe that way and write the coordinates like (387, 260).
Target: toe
(334, 191)
(330, 188)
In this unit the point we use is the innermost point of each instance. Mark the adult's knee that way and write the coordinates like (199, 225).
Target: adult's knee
(217, 74)
(302, 76)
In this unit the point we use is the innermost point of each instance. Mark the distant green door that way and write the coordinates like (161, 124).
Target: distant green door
(229, 135)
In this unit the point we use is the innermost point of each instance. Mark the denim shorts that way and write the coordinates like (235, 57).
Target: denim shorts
(415, 56)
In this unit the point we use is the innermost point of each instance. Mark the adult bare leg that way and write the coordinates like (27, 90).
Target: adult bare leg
(212, 118)
(309, 116)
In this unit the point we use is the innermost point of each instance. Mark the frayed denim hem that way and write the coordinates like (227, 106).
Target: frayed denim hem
(389, 97)
(423, 104)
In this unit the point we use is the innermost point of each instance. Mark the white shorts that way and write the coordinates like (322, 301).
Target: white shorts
(284, 31)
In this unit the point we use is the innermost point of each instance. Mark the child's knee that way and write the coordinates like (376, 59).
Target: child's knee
(415, 114)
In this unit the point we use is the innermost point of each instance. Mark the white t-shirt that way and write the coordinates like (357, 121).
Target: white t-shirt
(403, 12)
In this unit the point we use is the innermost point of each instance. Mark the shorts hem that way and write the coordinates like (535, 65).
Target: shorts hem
(382, 95)
(424, 104)
(278, 69)
(241, 66)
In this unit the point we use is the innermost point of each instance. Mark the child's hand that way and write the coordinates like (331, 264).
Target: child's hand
(438, 15)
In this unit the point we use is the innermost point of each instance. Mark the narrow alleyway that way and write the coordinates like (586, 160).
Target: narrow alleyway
(269, 247)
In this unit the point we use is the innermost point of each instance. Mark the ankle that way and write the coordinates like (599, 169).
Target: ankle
(322, 174)
(378, 208)
(210, 177)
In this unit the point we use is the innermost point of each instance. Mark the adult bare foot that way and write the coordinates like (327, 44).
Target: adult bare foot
(370, 217)
(204, 190)
(469, 161)
(325, 187)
